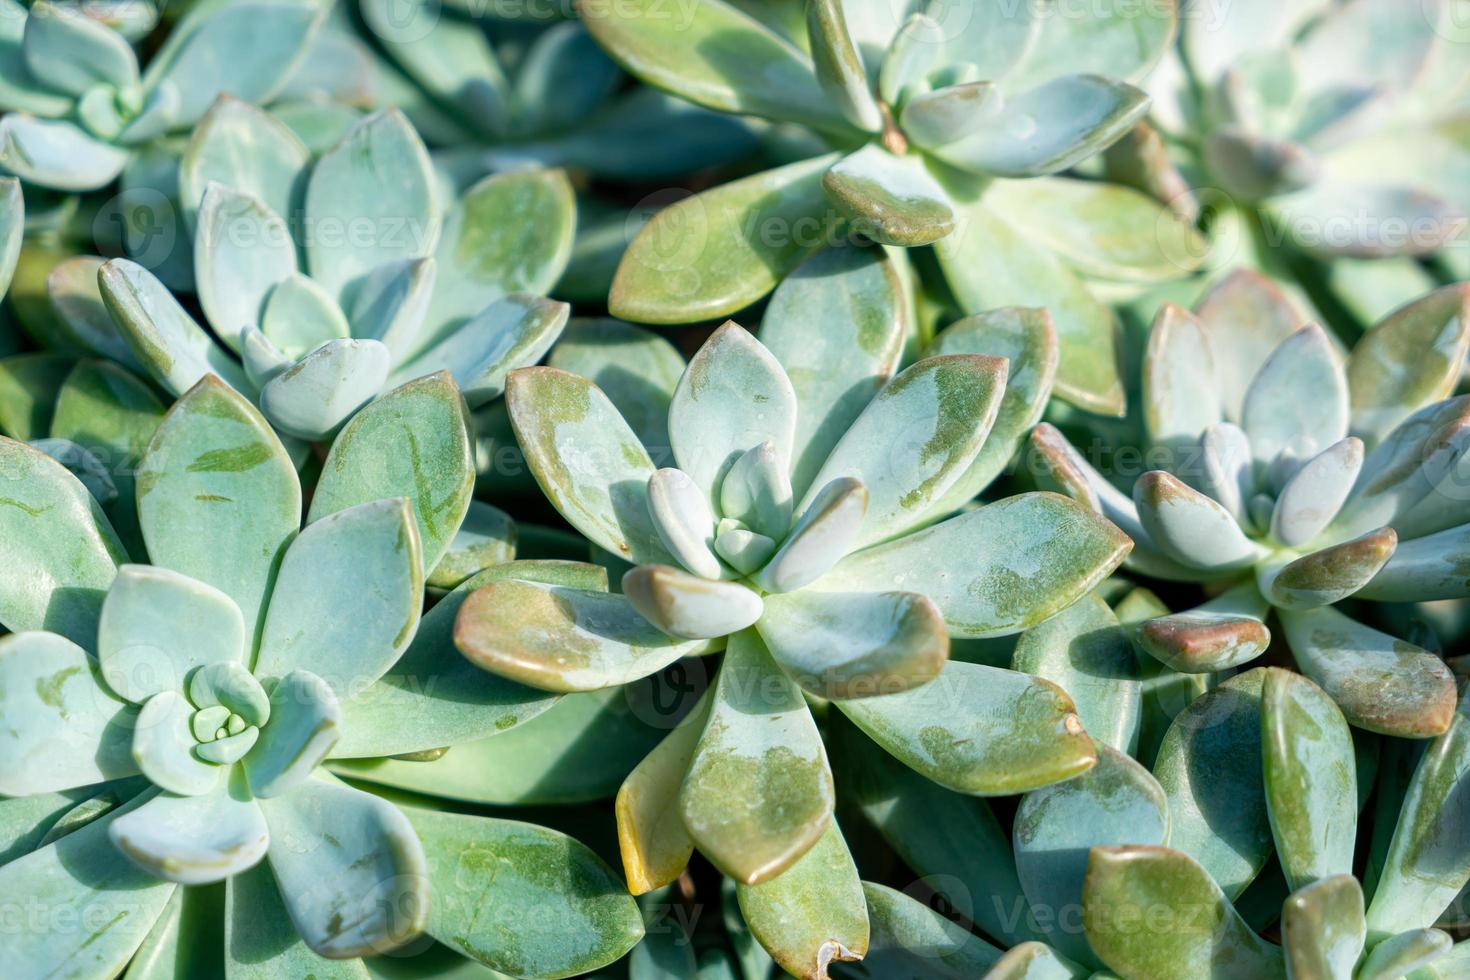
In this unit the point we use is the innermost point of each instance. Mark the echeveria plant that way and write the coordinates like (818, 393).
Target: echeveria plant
(169, 721)
(1293, 478)
(77, 105)
(334, 278)
(801, 525)
(930, 123)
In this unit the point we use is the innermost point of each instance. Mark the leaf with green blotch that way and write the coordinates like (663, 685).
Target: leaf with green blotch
(891, 200)
(1322, 928)
(980, 730)
(486, 875)
(1204, 937)
(908, 939)
(1224, 632)
(578, 750)
(561, 639)
(637, 369)
(996, 570)
(29, 385)
(174, 349)
(989, 262)
(261, 941)
(1428, 861)
(1310, 778)
(243, 252)
(1116, 802)
(1322, 577)
(1409, 359)
(378, 176)
(1381, 683)
(12, 228)
(915, 439)
(486, 537)
(432, 696)
(759, 792)
(218, 498)
(709, 255)
(358, 888)
(1402, 955)
(76, 732)
(1210, 767)
(733, 397)
(102, 905)
(510, 233)
(194, 840)
(813, 914)
(369, 549)
(588, 462)
(1085, 652)
(837, 326)
(245, 148)
(413, 442)
(654, 844)
(715, 55)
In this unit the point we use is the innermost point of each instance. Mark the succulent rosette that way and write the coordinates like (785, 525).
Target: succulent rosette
(801, 527)
(328, 280)
(937, 124)
(1296, 477)
(78, 107)
(166, 724)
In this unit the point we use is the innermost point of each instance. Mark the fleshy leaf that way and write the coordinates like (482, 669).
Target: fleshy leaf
(945, 115)
(1403, 954)
(163, 747)
(1423, 569)
(1410, 359)
(1180, 397)
(242, 250)
(1325, 576)
(1246, 316)
(262, 942)
(305, 722)
(907, 938)
(689, 607)
(69, 51)
(756, 491)
(561, 639)
(637, 369)
(57, 155)
(838, 65)
(218, 498)
(313, 397)
(358, 888)
(1299, 399)
(1311, 498)
(412, 442)
(193, 840)
(1227, 631)
(891, 200)
(758, 793)
(12, 228)
(389, 305)
(486, 537)
(820, 537)
(1322, 928)
(994, 570)
(157, 626)
(300, 316)
(1189, 527)
(980, 730)
(812, 914)
(244, 148)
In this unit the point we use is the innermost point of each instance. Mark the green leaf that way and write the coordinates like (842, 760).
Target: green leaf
(313, 397)
(698, 258)
(262, 942)
(838, 65)
(187, 938)
(689, 607)
(586, 459)
(1210, 767)
(412, 442)
(1035, 961)
(1246, 317)
(1427, 862)
(157, 626)
(380, 177)
(906, 938)
(163, 747)
(12, 228)
(65, 728)
(1408, 360)
(1423, 569)
(681, 511)
(637, 369)
(1180, 397)
(1313, 495)
(1086, 653)
(1310, 778)
(1404, 954)
(1115, 802)
(1299, 398)
(892, 200)
(390, 302)
(101, 905)
(1322, 928)
(561, 639)
(1325, 576)
(820, 537)
(29, 385)
(246, 149)
(716, 55)
(989, 262)
(837, 326)
(1381, 683)
(59, 550)
(300, 317)
(1050, 128)
(19, 91)
(487, 874)
(242, 251)
(174, 349)
(114, 414)
(654, 844)
(305, 721)
(979, 730)
(218, 498)
(487, 537)
(812, 914)
(995, 570)
(1227, 631)
(733, 397)
(350, 868)
(448, 698)
(510, 233)
(1113, 40)
(758, 793)
(193, 840)
(944, 115)
(1123, 883)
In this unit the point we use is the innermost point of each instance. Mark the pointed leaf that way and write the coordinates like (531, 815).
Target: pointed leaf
(1314, 494)
(1246, 316)
(819, 538)
(891, 200)
(637, 369)
(1179, 392)
(244, 148)
(756, 492)
(391, 302)
(1326, 576)
(1408, 360)
(1423, 569)
(242, 250)
(1299, 400)
(839, 65)
(313, 397)
(299, 317)
(67, 50)
(1190, 527)
(907, 938)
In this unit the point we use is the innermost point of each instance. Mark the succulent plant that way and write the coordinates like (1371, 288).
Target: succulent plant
(923, 119)
(392, 291)
(801, 529)
(172, 720)
(78, 107)
(1293, 478)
